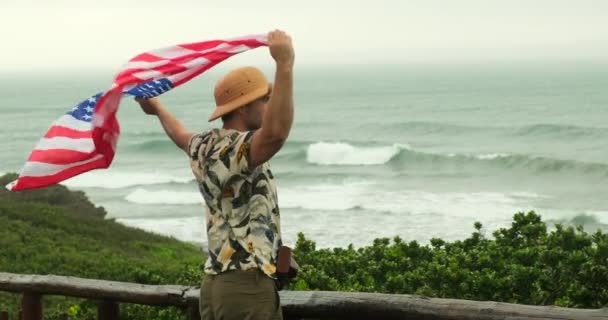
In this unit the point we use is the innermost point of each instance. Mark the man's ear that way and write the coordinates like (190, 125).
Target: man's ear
(244, 109)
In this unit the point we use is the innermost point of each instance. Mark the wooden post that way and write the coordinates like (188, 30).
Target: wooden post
(193, 313)
(107, 310)
(31, 306)
(3, 315)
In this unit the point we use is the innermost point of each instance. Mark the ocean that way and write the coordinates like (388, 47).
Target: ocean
(375, 151)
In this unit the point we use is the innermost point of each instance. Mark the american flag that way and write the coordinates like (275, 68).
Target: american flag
(85, 137)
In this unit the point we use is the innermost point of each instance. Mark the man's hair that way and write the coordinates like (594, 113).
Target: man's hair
(227, 117)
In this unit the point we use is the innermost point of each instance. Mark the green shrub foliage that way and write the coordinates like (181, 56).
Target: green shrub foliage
(524, 264)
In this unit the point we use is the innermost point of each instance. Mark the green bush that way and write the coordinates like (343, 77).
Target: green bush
(522, 264)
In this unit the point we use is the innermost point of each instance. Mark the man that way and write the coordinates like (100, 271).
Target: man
(231, 167)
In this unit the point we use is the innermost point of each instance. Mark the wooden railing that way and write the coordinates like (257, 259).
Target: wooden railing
(295, 304)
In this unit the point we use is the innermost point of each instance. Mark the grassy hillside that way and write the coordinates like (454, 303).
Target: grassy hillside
(58, 231)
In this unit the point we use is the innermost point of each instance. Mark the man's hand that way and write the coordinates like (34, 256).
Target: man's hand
(281, 48)
(149, 106)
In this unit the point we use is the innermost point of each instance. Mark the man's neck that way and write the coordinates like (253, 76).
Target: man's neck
(238, 126)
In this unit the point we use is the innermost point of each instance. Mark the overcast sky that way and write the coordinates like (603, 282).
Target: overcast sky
(61, 34)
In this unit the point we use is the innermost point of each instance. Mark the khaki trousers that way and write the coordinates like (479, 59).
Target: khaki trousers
(239, 295)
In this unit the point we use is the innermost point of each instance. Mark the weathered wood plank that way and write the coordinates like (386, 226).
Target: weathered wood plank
(303, 304)
(352, 305)
(94, 289)
(31, 305)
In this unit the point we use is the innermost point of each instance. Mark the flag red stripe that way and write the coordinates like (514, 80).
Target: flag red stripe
(147, 58)
(200, 46)
(127, 76)
(59, 156)
(37, 182)
(170, 68)
(59, 131)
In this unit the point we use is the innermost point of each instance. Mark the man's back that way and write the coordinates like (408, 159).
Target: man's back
(243, 221)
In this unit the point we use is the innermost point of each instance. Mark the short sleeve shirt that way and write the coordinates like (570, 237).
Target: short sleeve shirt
(243, 220)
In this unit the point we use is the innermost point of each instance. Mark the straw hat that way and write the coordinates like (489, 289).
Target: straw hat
(238, 88)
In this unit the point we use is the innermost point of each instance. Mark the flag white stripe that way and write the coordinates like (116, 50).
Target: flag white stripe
(126, 88)
(195, 62)
(144, 64)
(148, 74)
(171, 52)
(70, 122)
(220, 47)
(41, 169)
(237, 49)
(64, 143)
(179, 76)
(262, 37)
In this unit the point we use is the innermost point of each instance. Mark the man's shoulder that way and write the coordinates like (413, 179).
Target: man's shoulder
(197, 143)
(213, 141)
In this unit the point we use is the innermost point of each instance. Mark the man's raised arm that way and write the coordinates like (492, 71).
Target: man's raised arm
(173, 127)
(278, 117)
